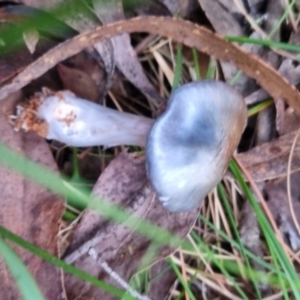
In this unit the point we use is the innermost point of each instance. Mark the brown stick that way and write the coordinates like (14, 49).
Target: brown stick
(179, 30)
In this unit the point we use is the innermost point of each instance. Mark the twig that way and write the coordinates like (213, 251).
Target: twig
(116, 276)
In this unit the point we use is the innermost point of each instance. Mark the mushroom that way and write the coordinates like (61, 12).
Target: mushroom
(191, 143)
(188, 147)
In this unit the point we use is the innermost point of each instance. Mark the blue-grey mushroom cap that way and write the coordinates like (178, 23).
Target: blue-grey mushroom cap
(189, 146)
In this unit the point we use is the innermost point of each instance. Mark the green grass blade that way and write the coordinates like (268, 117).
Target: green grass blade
(181, 279)
(196, 63)
(259, 107)
(273, 244)
(178, 67)
(211, 258)
(60, 263)
(267, 43)
(282, 19)
(212, 67)
(235, 78)
(234, 244)
(223, 197)
(25, 282)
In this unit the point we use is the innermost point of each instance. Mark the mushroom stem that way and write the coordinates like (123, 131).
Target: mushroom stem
(77, 122)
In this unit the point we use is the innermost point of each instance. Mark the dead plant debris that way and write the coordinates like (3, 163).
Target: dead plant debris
(126, 57)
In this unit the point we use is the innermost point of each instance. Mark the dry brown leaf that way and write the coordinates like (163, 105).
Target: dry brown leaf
(221, 18)
(78, 82)
(279, 120)
(123, 177)
(85, 62)
(181, 31)
(278, 204)
(31, 212)
(291, 121)
(183, 8)
(270, 160)
(125, 56)
(150, 8)
(124, 183)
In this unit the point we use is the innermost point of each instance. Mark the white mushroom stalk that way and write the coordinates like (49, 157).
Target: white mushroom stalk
(188, 147)
(64, 117)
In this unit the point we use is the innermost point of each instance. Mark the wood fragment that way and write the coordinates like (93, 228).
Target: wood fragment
(182, 31)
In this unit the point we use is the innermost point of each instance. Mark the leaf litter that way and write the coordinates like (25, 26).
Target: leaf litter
(124, 180)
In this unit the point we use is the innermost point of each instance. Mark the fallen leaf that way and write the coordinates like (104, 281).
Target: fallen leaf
(270, 160)
(31, 212)
(123, 177)
(125, 56)
(147, 8)
(78, 82)
(291, 121)
(221, 18)
(278, 204)
(122, 182)
(182, 8)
